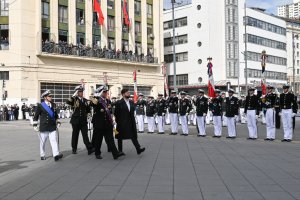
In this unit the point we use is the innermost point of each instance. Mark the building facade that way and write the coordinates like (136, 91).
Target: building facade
(289, 10)
(59, 44)
(201, 33)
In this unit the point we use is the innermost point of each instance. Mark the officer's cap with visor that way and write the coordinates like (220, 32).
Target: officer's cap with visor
(201, 91)
(79, 88)
(217, 91)
(286, 86)
(46, 93)
(231, 91)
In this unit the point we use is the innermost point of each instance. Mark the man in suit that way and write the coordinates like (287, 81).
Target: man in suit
(126, 125)
(81, 110)
(46, 113)
(103, 123)
(232, 112)
(201, 104)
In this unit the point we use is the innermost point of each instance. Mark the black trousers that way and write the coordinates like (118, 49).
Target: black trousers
(98, 135)
(23, 113)
(135, 142)
(84, 132)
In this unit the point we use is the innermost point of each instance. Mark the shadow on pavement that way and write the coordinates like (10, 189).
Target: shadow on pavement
(13, 165)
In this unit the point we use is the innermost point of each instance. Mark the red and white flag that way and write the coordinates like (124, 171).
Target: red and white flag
(166, 88)
(135, 95)
(263, 86)
(125, 13)
(211, 82)
(97, 8)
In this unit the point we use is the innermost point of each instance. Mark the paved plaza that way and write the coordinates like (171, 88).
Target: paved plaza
(172, 167)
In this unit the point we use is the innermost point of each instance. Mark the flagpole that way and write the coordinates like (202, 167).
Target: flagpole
(245, 53)
(174, 52)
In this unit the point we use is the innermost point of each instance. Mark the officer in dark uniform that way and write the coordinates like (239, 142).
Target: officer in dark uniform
(172, 104)
(46, 113)
(140, 112)
(81, 110)
(150, 113)
(288, 110)
(215, 107)
(269, 103)
(252, 108)
(201, 104)
(232, 112)
(185, 108)
(161, 109)
(103, 123)
(242, 102)
(113, 104)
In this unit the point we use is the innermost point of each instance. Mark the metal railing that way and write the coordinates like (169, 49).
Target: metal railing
(96, 52)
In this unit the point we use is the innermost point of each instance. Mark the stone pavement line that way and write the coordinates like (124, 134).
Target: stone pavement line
(191, 160)
(213, 165)
(236, 168)
(262, 171)
(156, 158)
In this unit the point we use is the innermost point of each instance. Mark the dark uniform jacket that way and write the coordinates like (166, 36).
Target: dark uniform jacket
(216, 106)
(101, 119)
(161, 107)
(80, 110)
(172, 104)
(201, 105)
(242, 103)
(150, 108)
(140, 107)
(288, 101)
(232, 106)
(252, 103)
(47, 124)
(185, 106)
(270, 100)
(126, 124)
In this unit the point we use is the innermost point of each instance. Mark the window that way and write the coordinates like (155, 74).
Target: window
(137, 27)
(180, 57)
(141, 89)
(80, 17)
(265, 25)
(4, 7)
(199, 44)
(45, 10)
(137, 7)
(199, 25)
(271, 59)
(178, 23)
(61, 92)
(4, 37)
(111, 4)
(149, 30)
(200, 61)
(149, 10)
(63, 35)
(62, 14)
(81, 38)
(4, 75)
(96, 40)
(199, 7)
(182, 79)
(182, 39)
(265, 42)
(150, 49)
(111, 43)
(111, 23)
(298, 71)
(138, 48)
(125, 45)
(255, 73)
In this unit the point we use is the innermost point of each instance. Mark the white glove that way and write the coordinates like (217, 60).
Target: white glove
(187, 114)
(236, 117)
(256, 117)
(293, 114)
(204, 114)
(279, 113)
(210, 112)
(35, 128)
(75, 93)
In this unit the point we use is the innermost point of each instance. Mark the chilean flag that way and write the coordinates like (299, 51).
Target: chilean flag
(125, 13)
(263, 86)
(135, 95)
(211, 82)
(97, 8)
(164, 70)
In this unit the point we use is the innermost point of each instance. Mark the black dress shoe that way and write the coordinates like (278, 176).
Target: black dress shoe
(56, 158)
(249, 138)
(74, 152)
(284, 140)
(215, 136)
(182, 134)
(90, 151)
(161, 133)
(233, 137)
(141, 150)
(119, 155)
(141, 132)
(271, 139)
(98, 156)
(288, 140)
(43, 158)
(228, 137)
(185, 134)
(267, 139)
(175, 133)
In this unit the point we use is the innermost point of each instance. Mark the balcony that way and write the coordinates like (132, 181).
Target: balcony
(65, 49)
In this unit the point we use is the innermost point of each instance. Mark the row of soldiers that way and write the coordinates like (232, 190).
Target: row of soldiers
(220, 108)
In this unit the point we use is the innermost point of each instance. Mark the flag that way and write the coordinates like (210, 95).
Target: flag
(166, 87)
(135, 95)
(125, 13)
(97, 8)
(264, 57)
(211, 82)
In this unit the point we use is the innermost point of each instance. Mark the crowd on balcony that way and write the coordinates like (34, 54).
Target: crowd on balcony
(4, 43)
(96, 51)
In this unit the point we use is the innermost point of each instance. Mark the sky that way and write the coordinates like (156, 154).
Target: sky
(269, 5)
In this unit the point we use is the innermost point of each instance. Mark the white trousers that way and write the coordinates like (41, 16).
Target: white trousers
(243, 119)
(174, 122)
(217, 125)
(287, 122)
(151, 124)
(167, 118)
(53, 141)
(184, 124)
(208, 118)
(231, 126)
(252, 123)
(270, 121)
(160, 124)
(201, 125)
(224, 122)
(140, 121)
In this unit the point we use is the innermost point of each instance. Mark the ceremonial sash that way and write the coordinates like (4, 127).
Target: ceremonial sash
(49, 111)
(103, 103)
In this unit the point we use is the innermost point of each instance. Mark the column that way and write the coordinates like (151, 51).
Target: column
(131, 36)
(54, 20)
(72, 22)
(89, 23)
(144, 25)
(104, 27)
(118, 24)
